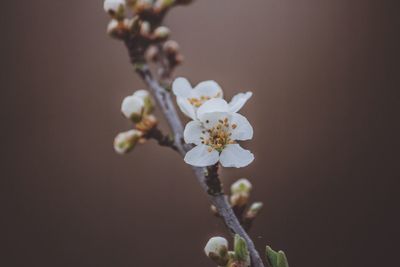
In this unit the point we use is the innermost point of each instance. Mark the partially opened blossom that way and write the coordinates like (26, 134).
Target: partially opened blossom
(215, 134)
(137, 105)
(190, 99)
(125, 141)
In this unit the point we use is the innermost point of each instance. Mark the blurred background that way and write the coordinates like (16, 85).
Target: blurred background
(324, 74)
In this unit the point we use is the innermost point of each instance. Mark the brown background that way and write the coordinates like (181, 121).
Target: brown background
(325, 78)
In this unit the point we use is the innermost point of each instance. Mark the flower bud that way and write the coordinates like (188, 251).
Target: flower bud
(118, 29)
(217, 250)
(132, 24)
(239, 200)
(142, 5)
(161, 5)
(147, 99)
(145, 28)
(116, 8)
(133, 107)
(253, 211)
(241, 186)
(214, 210)
(240, 191)
(171, 47)
(152, 53)
(161, 33)
(126, 141)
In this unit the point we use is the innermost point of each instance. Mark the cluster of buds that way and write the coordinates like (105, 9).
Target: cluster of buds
(138, 24)
(138, 108)
(239, 200)
(217, 250)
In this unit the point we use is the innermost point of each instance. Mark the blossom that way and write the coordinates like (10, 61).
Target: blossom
(137, 105)
(190, 99)
(215, 134)
(126, 141)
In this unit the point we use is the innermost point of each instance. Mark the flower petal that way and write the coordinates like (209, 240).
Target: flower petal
(181, 87)
(212, 105)
(235, 156)
(132, 106)
(238, 101)
(200, 156)
(208, 89)
(187, 108)
(211, 120)
(241, 127)
(193, 132)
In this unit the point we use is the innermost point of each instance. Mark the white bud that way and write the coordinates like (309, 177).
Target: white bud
(112, 26)
(147, 99)
(142, 93)
(162, 32)
(113, 6)
(145, 28)
(125, 141)
(256, 207)
(241, 186)
(133, 107)
(217, 249)
(142, 5)
(118, 29)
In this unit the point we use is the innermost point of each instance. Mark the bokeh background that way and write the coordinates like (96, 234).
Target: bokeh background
(325, 76)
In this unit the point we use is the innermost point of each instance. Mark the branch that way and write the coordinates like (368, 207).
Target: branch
(218, 199)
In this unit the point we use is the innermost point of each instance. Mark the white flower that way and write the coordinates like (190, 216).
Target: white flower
(113, 6)
(125, 141)
(136, 105)
(215, 134)
(190, 99)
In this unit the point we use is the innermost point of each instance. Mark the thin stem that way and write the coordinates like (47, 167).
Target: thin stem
(163, 140)
(218, 200)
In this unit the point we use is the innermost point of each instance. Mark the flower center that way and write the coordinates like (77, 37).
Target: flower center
(198, 101)
(219, 136)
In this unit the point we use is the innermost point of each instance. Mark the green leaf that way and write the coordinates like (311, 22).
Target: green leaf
(272, 256)
(276, 259)
(282, 260)
(241, 251)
